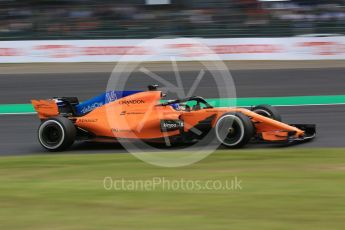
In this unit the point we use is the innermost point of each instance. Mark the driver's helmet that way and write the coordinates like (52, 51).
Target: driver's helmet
(175, 106)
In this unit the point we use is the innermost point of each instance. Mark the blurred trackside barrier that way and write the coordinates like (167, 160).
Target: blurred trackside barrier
(291, 48)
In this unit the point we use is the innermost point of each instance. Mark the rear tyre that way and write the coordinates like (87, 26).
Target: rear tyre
(267, 111)
(234, 130)
(56, 134)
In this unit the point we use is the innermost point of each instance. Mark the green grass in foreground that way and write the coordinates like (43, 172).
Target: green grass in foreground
(281, 189)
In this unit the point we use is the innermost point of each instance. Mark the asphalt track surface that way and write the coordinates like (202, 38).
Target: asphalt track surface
(21, 88)
(18, 132)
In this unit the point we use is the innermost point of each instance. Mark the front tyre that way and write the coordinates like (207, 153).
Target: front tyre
(56, 134)
(234, 130)
(267, 111)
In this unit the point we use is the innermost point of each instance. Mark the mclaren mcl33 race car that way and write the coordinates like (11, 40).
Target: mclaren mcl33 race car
(142, 115)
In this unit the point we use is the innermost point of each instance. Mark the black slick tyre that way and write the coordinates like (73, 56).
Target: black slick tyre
(56, 134)
(234, 130)
(267, 111)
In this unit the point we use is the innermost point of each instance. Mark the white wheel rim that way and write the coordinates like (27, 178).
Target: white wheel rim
(240, 123)
(40, 131)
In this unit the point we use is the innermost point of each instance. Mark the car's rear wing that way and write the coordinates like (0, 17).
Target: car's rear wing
(45, 108)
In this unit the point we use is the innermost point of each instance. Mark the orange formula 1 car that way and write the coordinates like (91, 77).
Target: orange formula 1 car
(136, 115)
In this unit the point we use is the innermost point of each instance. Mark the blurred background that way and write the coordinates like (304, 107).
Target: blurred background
(95, 19)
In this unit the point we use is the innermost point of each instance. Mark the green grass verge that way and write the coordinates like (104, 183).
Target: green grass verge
(281, 189)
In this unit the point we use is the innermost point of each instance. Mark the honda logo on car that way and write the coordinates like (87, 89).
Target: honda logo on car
(132, 102)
